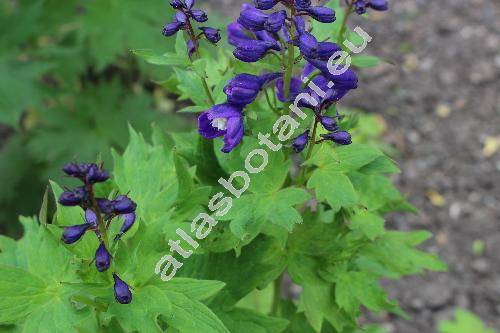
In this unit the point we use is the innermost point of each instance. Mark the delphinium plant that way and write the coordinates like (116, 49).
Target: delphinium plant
(269, 217)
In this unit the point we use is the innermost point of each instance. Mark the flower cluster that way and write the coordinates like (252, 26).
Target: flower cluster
(99, 214)
(360, 6)
(227, 119)
(256, 34)
(182, 21)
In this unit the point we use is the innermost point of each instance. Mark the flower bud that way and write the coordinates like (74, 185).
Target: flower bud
(242, 89)
(171, 29)
(91, 217)
(105, 206)
(329, 123)
(176, 4)
(302, 4)
(252, 51)
(199, 15)
(181, 17)
(322, 14)
(340, 137)
(360, 7)
(73, 198)
(102, 258)
(275, 21)
(128, 222)
(122, 291)
(378, 4)
(253, 19)
(72, 169)
(74, 233)
(295, 89)
(189, 4)
(308, 45)
(211, 34)
(327, 49)
(191, 47)
(123, 205)
(265, 4)
(96, 174)
(300, 142)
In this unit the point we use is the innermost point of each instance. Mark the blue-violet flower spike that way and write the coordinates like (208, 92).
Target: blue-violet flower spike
(122, 291)
(380, 5)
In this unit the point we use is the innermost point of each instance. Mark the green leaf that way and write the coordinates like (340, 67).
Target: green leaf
(334, 188)
(191, 316)
(364, 61)
(249, 321)
(370, 224)
(465, 322)
(166, 59)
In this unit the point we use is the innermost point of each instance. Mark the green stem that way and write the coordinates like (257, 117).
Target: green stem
(343, 26)
(276, 296)
(269, 102)
(312, 142)
(193, 38)
(101, 226)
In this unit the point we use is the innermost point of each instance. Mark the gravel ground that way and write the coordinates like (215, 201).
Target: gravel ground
(442, 109)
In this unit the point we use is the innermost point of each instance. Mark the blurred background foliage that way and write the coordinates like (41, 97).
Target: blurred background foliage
(69, 86)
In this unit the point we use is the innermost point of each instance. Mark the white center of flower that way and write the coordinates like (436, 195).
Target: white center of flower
(220, 123)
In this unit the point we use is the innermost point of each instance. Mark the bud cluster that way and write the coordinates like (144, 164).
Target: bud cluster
(182, 21)
(99, 214)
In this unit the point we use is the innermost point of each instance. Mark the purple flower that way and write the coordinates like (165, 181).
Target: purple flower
(74, 233)
(302, 4)
(189, 4)
(91, 217)
(329, 123)
(123, 205)
(321, 14)
(345, 81)
(180, 17)
(327, 49)
(128, 222)
(244, 88)
(223, 120)
(340, 137)
(300, 142)
(102, 258)
(73, 170)
(300, 24)
(380, 5)
(122, 291)
(105, 206)
(275, 21)
(211, 34)
(96, 174)
(176, 4)
(171, 29)
(191, 47)
(252, 19)
(360, 7)
(73, 198)
(308, 45)
(265, 4)
(199, 15)
(253, 50)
